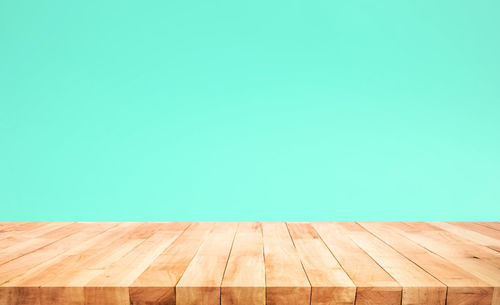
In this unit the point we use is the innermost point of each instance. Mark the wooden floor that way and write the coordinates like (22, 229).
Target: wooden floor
(249, 263)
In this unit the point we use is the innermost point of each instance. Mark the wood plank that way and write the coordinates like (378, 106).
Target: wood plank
(419, 287)
(477, 227)
(449, 244)
(15, 233)
(156, 285)
(249, 263)
(493, 225)
(6, 225)
(25, 242)
(374, 285)
(18, 227)
(126, 270)
(286, 280)
(31, 232)
(329, 282)
(470, 232)
(244, 281)
(76, 269)
(463, 287)
(61, 270)
(63, 278)
(22, 264)
(475, 259)
(200, 283)
(46, 231)
(111, 286)
(80, 233)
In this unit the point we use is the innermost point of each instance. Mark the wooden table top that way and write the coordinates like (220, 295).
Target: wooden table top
(249, 263)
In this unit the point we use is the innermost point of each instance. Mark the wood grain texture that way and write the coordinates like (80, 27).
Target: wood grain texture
(481, 261)
(11, 293)
(374, 285)
(200, 284)
(48, 263)
(419, 287)
(475, 233)
(67, 268)
(156, 285)
(286, 281)
(244, 280)
(485, 230)
(463, 287)
(25, 241)
(118, 276)
(329, 282)
(493, 225)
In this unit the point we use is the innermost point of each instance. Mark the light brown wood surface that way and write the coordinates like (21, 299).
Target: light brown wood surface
(244, 280)
(419, 287)
(249, 263)
(329, 283)
(286, 280)
(200, 284)
(474, 258)
(463, 287)
(375, 286)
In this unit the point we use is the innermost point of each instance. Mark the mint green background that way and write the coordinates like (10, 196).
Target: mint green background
(250, 110)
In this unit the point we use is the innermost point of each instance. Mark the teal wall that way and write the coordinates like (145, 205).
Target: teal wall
(249, 110)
